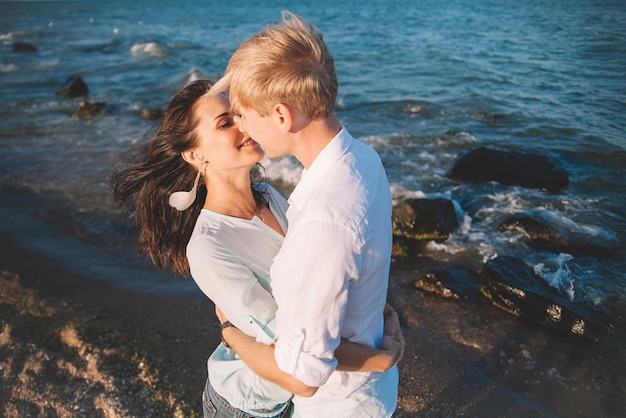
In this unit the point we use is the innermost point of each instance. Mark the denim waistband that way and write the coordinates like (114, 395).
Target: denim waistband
(218, 401)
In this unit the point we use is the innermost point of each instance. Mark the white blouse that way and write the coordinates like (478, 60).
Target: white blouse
(230, 260)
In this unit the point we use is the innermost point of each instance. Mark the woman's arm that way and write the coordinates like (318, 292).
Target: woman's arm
(354, 357)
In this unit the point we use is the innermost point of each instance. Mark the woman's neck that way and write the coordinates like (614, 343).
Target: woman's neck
(231, 196)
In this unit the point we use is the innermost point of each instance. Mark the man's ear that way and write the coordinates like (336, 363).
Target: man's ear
(290, 119)
(284, 116)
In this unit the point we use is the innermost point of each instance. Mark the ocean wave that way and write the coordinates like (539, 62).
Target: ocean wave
(399, 193)
(153, 49)
(558, 275)
(51, 63)
(10, 35)
(7, 68)
(196, 74)
(285, 169)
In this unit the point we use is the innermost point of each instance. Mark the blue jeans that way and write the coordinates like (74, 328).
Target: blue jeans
(214, 406)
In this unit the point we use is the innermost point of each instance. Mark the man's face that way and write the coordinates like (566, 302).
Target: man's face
(264, 130)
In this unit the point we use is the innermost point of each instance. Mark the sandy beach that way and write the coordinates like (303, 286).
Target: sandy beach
(71, 346)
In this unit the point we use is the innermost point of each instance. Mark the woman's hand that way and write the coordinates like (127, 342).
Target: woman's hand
(393, 340)
(220, 315)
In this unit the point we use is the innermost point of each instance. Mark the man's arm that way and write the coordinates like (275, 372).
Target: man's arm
(351, 356)
(260, 358)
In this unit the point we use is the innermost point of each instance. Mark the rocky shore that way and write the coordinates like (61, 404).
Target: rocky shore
(71, 346)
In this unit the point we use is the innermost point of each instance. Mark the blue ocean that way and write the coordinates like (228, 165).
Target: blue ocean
(421, 82)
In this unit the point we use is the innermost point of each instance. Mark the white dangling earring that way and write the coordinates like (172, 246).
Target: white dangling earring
(182, 200)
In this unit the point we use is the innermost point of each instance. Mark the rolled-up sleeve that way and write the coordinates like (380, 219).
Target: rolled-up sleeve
(311, 276)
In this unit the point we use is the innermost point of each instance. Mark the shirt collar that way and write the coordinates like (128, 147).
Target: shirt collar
(331, 153)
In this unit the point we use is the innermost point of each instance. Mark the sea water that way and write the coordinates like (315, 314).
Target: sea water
(421, 82)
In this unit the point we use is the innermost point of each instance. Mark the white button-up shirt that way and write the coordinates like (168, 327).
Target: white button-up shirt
(330, 280)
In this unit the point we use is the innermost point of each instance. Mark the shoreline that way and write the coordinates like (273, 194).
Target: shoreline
(72, 345)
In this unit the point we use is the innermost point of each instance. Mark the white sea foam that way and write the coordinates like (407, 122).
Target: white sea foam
(196, 74)
(465, 221)
(575, 228)
(286, 169)
(557, 274)
(378, 142)
(153, 49)
(400, 193)
(460, 138)
(448, 247)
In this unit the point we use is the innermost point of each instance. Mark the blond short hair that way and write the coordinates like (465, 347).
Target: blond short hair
(284, 63)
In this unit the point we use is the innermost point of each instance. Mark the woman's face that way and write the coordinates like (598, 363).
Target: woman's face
(219, 139)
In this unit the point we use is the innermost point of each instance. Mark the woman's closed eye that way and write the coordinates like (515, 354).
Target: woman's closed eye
(226, 123)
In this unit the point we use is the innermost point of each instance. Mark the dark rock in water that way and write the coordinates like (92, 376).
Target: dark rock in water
(509, 168)
(450, 282)
(151, 114)
(513, 286)
(73, 87)
(422, 220)
(89, 110)
(19, 47)
(486, 115)
(548, 237)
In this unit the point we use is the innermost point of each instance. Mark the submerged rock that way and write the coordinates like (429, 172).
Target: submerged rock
(19, 47)
(450, 282)
(89, 110)
(417, 221)
(73, 87)
(509, 168)
(487, 115)
(513, 286)
(551, 237)
(151, 114)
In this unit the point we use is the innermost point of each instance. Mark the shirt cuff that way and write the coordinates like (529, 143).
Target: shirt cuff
(263, 332)
(310, 370)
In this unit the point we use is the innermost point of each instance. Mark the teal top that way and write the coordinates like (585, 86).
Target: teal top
(230, 260)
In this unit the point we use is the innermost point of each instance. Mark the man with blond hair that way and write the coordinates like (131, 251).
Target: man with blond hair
(330, 277)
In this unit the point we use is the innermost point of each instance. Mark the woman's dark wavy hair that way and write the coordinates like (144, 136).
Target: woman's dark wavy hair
(154, 170)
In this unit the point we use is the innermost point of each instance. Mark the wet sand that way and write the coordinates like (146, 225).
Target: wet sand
(74, 346)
